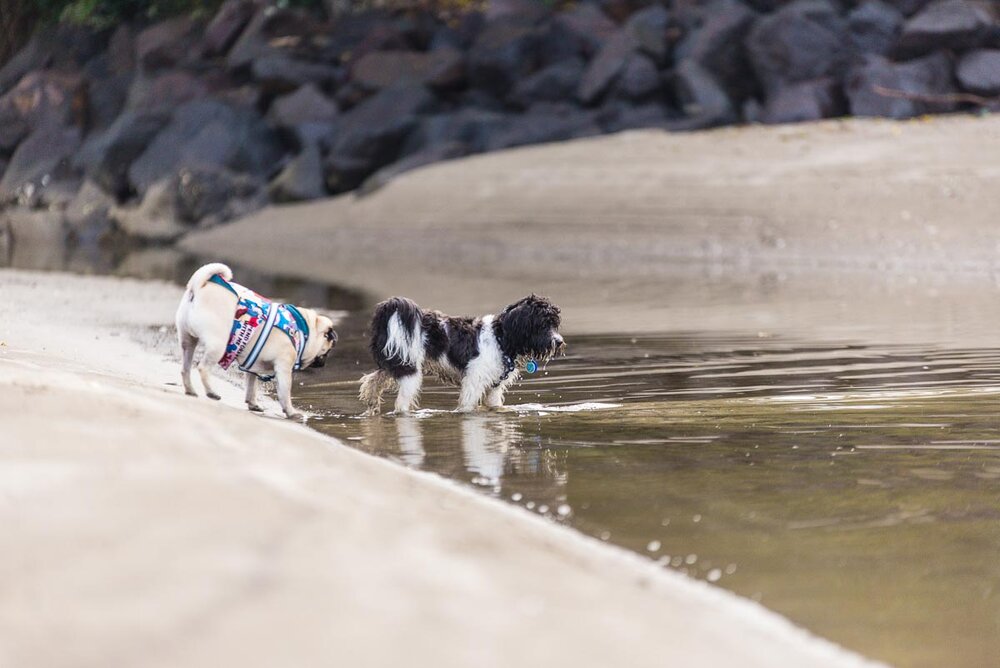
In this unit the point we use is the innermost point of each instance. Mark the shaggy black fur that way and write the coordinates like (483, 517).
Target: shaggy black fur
(524, 328)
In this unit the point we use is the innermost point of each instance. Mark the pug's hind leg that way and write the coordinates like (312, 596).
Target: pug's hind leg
(213, 353)
(188, 346)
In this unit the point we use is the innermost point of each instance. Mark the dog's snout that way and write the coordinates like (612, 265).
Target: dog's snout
(560, 342)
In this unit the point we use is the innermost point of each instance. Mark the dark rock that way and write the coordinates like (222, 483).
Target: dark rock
(529, 11)
(47, 97)
(268, 27)
(213, 195)
(909, 7)
(880, 87)
(176, 203)
(606, 65)
(468, 126)
(281, 74)
(371, 134)
(88, 215)
(807, 101)
(442, 68)
(222, 31)
(306, 105)
(205, 133)
(121, 50)
(544, 123)
(505, 52)
(13, 129)
(106, 157)
(33, 56)
(648, 28)
(715, 41)
(106, 93)
(639, 79)
(42, 158)
(587, 25)
(704, 102)
(428, 156)
(301, 179)
(166, 44)
(556, 44)
(874, 27)
(165, 91)
(555, 83)
(947, 24)
(805, 40)
(979, 72)
(617, 117)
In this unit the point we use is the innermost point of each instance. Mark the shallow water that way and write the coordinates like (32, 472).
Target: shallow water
(853, 487)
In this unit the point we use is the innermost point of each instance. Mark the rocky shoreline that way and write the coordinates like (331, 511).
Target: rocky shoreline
(149, 131)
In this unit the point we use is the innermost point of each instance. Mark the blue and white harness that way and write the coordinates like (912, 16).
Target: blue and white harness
(255, 312)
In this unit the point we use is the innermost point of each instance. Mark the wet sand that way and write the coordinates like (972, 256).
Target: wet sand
(143, 527)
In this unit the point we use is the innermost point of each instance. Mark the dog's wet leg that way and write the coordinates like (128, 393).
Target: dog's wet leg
(373, 386)
(409, 392)
(188, 346)
(494, 398)
(470, 395)
(251, 396)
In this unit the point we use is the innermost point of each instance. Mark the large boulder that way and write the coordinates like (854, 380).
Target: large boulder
(206, 133)
(88, 215)
(165, 91)
(468, 126)
(874, 27)
(441, 68)
(306, 105)
(301, 179)
(703, 100)
(167, 43)
(806, 101)
(262, 36)
(805, 40)
(979, 72)
(880, 87)
(948, 24)
(506, 51)
(649, 28)
(47, 97)
(714, 39)
(178, 202)
(544, 123)
(36, 239)
(587, 26)
(106, 156)
(371, 134)
(281, 74)
(639, 79)
(605, 67)
(41, 159)
(555, 83)
(225, 26)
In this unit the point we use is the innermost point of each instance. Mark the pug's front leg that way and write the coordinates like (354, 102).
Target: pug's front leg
(283, 378)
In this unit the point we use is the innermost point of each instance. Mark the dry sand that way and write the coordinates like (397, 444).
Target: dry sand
(145, 528)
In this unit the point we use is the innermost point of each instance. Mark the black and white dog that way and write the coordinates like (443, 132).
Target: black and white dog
(481, 355)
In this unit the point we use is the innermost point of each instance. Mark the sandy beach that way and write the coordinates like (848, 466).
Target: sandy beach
(146, 528)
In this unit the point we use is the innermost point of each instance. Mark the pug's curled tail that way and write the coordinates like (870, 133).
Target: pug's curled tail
(200, 277)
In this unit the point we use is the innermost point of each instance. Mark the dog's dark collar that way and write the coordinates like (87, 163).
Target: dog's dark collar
(508, 361)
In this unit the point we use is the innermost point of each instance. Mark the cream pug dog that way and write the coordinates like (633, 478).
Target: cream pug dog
(266, 339)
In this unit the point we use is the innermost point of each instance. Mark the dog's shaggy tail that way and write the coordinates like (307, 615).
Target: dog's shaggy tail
(200, 277)
(373, 386)
(397, 335)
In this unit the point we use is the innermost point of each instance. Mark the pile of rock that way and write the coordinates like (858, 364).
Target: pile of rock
(150, 130)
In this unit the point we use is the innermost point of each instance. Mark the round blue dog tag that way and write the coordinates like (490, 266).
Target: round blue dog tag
(531, 366)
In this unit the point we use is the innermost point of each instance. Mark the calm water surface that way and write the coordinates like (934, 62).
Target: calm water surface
(854, 488)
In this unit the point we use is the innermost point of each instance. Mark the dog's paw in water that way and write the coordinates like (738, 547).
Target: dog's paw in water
(213, 395)
(254, 408)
